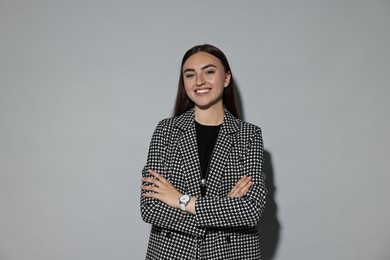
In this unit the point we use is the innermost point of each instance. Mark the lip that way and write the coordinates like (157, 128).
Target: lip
(202, 91)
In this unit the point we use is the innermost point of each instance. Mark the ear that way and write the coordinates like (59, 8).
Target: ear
(228, 77)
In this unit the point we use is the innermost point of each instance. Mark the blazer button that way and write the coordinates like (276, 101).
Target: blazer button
(168, 235)
(228, 239)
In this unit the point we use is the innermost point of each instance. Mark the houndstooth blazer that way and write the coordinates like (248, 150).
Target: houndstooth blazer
(223, 227)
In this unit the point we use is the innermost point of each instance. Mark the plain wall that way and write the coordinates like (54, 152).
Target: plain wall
(83, 84)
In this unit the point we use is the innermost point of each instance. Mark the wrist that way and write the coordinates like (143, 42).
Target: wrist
(184, 200)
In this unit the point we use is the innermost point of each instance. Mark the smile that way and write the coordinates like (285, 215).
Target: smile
(201, 91)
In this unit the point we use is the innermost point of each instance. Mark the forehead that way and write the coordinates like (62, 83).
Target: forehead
(201, 59)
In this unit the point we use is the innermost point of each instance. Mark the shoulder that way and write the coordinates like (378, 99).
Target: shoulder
(166, 122)
(168, 127)
(239, 125)
(182, 122)
(164, 126)
(169, 123)
(249, 133)
(248, 127)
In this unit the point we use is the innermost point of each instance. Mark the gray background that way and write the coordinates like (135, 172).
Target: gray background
(84, 83)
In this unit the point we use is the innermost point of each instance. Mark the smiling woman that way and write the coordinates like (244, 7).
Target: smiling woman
(183, 101)
(205, 79)
(206, 163)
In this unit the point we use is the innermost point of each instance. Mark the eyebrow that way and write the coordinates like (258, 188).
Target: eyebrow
(203, 68)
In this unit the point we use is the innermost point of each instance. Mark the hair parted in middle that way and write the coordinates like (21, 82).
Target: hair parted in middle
(184, 103)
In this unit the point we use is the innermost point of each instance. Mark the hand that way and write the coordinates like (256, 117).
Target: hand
(161, 189)
(241, 187)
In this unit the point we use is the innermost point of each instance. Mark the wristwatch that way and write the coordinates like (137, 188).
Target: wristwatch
(183, 201)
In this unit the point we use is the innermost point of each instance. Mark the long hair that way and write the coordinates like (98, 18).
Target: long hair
(184, 103)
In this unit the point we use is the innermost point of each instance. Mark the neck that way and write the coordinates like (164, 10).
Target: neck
(210, 116)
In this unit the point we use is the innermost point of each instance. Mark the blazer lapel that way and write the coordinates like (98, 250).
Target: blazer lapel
(188, 148)
(221, 153)
(191, 163)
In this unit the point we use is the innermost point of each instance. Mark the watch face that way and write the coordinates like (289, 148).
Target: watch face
(185, 198)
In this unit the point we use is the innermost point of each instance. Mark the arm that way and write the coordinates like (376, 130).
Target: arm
(153, 210)
(165, 192)
(242, 211)
(159, 200)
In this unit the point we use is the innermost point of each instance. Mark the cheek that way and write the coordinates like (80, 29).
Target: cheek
(187, 86)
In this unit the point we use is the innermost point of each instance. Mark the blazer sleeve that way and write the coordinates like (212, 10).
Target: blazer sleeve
(154, 211)
(244, 211)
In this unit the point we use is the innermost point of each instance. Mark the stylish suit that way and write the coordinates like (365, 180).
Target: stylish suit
(223, 227)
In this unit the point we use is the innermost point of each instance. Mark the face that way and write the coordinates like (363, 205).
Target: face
(205, 79)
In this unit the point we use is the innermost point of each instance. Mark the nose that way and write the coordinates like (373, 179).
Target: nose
(199, 81)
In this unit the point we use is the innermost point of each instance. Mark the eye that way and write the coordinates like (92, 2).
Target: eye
(210, 72)
(189, 75)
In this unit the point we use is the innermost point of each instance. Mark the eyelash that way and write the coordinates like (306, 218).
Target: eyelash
(188, 76)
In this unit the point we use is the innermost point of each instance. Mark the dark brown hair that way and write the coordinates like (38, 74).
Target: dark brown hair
(184, 103)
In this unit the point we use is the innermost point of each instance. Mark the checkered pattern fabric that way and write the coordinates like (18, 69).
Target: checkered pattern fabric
(223, 228)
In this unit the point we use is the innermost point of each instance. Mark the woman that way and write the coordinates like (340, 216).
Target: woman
(206, 163)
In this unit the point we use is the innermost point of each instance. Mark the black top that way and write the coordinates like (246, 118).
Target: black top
(206, 137)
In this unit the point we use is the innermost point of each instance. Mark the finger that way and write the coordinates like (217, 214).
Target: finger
(239, 185)
(244, 189)
(242, 182)
(150, 180)
(233, 191)
(151, 195)
(150, 188)
(150, 172)
(157, 175)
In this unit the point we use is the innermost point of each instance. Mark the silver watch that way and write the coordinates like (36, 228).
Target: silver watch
(183, 201)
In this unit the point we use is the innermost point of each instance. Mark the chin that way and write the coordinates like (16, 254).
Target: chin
(206, 106)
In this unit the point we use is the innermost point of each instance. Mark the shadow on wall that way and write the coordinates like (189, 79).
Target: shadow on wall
(268, 226)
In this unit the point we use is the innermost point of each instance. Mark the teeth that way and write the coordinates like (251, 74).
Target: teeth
(202, 91)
